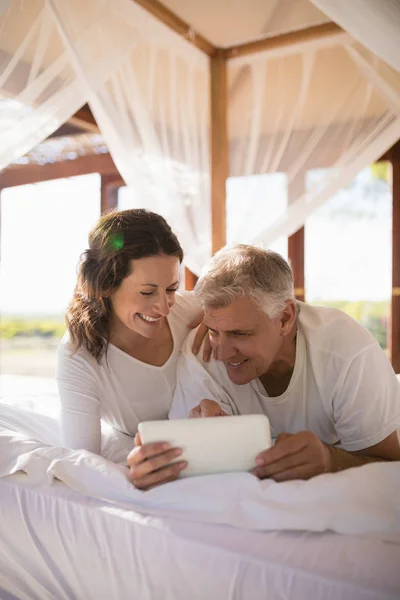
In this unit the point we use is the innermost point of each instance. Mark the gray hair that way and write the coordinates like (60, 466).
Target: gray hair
(245, 270)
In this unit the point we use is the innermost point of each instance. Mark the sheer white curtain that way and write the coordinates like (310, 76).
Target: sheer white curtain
(152, 108)
(147, 87)
(374, 23)
(335, 108)
(39, 88)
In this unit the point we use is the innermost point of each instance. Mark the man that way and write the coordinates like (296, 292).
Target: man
(331, 396)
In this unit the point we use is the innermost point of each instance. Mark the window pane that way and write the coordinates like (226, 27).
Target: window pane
(348, 250)
(44, 230)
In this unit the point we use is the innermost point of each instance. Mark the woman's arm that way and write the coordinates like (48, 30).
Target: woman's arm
(80, 401)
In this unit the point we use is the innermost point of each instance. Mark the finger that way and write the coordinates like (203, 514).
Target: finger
(283, 436)
(199, 337)
(291, 445)
(196, 321)
(155, 463)
(168, 473)
(207, 350)
(138, 440)
(195, 413)
(210, 408)
(140, 453)
(299, 472)
(280, 466)
(215, 353)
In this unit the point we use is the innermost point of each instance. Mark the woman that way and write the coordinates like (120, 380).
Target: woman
(126, 325)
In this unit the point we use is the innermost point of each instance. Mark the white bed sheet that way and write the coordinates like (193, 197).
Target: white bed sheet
(57, 544)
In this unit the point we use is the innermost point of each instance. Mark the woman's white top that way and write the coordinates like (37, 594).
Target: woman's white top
(121, 390)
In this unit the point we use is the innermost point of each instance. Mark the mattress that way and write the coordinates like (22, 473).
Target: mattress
(58, 544)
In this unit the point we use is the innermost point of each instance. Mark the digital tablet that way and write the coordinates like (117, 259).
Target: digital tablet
(213, 444)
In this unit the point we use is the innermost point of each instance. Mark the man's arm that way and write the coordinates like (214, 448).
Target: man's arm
(196, 380)
(303, 455)
(387, 449)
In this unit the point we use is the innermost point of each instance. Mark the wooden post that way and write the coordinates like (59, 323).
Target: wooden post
(296, 241)
(190, 279)
(219, 149)
(109, 194)
(395, 312)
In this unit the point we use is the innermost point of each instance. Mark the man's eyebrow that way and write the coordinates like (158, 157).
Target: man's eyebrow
(231, 331)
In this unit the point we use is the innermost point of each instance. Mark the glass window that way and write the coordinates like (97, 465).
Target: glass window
(44, 230)
(348, 250)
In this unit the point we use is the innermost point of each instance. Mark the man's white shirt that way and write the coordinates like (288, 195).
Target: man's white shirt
(343, 387)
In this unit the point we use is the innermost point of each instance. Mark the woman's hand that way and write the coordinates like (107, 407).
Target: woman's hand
(201, 334)
(207, 408)
(149, 464)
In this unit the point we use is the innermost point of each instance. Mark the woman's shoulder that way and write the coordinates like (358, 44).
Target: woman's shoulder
(67, 358)
(187, 304)
(185, 310)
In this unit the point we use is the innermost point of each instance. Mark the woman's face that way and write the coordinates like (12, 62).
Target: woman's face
(145, 296)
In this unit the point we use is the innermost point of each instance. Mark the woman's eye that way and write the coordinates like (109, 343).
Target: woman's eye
(172, 291)
(146, 293)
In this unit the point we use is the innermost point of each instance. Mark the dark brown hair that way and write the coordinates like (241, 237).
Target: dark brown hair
(118, 238)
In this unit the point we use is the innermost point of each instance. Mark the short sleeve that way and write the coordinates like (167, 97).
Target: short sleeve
(367, 407)
(79, 398)
(195, 382)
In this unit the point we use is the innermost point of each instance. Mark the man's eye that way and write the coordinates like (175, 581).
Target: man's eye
(146, 293)
(241, 334)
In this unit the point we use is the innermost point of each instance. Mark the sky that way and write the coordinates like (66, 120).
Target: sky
(44, 230)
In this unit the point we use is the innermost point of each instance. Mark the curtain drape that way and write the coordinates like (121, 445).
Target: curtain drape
(374, 23)
(333, 108)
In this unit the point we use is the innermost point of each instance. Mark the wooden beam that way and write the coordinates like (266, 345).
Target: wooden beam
(323, 33)
(190, 279)
(108, 194)
(392, 154)
(296, 241)
(84, 120)
(395, 312)
(166, 16)
(34, 173)
(219, 150)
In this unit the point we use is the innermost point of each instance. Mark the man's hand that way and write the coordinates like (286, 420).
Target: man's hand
(294, 456)
(148, 464)
(207, 408)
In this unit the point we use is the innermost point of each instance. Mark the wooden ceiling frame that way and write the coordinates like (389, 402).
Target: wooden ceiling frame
(219, 93)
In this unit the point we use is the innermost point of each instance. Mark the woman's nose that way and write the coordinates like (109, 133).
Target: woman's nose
(162, 306)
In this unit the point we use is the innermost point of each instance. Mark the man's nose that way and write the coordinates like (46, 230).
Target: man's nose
(225, 349)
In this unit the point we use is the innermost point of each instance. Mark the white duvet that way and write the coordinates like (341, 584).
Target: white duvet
(360, 501)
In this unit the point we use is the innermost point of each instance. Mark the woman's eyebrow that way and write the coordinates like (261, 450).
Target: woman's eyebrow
(156, 286)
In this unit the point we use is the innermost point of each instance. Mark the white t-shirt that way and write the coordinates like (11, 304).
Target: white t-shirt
(343, 388)
(121, 390)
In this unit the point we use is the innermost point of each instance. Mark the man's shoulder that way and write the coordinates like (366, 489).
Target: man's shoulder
(332, 331)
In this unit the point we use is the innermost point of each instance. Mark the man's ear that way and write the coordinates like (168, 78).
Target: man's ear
(288, 317)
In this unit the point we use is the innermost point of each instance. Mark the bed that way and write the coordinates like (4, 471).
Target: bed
(58, 544)
(72, 527)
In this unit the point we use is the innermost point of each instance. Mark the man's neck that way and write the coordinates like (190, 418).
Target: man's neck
(277, 379)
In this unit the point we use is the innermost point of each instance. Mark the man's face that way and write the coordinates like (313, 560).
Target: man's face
(248, 341)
